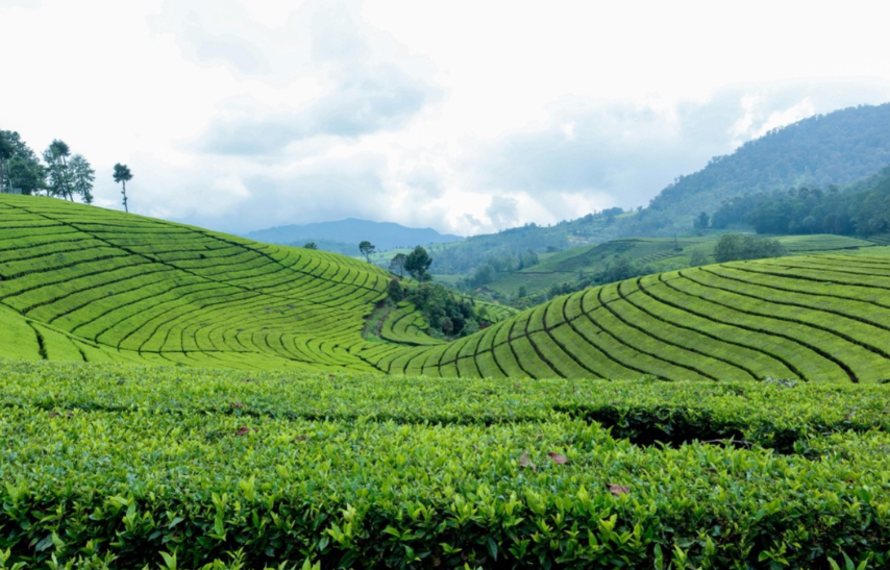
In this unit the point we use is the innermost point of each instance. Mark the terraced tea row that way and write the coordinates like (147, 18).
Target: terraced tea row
(92, 284)
(81, 283)
(120, 466)
(824, 318)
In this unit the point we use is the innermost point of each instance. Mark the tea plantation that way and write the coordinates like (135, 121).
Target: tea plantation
(819, 318)
(172, 397)
(109, 465)
(86, 284)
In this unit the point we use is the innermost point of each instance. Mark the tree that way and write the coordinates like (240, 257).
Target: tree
(23, 169)
(310, 245)
(123, 175)
(82, 178)
(484, 275)
(701, 222)
(367, 248)
(418, 263)
(698, 257)
(56, 158)
(7, 151)
(394, 290)
(733, 247)
(398, 264)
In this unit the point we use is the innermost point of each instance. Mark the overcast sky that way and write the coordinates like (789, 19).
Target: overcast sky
(466, 116)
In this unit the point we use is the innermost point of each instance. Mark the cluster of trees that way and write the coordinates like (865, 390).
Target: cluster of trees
(447, 315)
(417, 264)
(736, 247)
(496, 266)
(60, 174)
(863, 209)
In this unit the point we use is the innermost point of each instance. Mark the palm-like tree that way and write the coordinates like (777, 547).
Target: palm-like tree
(122, 174)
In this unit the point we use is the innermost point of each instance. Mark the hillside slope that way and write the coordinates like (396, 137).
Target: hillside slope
(79, 283)
(82, 283)
(820, 318)
(837, 148)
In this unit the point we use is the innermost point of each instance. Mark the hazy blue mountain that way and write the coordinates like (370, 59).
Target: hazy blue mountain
(351, 231)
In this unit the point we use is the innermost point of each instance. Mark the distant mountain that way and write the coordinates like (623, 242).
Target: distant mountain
(351, 231)
(837, 148)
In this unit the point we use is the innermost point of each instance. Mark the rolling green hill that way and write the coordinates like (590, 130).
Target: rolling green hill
(817, 318)
(656, 254)
(323, 462)
(79, 283)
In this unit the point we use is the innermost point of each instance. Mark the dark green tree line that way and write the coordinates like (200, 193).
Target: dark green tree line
(862, 208)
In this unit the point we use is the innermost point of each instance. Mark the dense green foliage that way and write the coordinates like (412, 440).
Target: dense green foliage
(19, 166)
(127, 467)
(509, 249)
(417, 264)
(446, 313)
(735, 247)
(62, 175)
(837, 148)
(863, 209)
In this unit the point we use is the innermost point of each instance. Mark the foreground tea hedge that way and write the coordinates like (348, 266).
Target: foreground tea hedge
(127, 467)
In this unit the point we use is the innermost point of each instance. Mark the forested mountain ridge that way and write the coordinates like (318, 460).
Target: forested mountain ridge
(837, 148)
(863, 208)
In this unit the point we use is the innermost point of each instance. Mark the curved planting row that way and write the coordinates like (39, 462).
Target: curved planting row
(405, 325)
(82, 283)
(824, 318)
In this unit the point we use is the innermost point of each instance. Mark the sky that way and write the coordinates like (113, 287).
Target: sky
(468, 117)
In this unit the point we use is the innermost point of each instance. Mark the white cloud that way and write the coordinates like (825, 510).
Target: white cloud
(464, 116)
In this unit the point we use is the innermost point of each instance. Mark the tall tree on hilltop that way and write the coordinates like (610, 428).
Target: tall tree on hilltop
(398, 264)
(367, 248)
(56, 158)
(23, 169)
(82, 178)
(122, 174)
